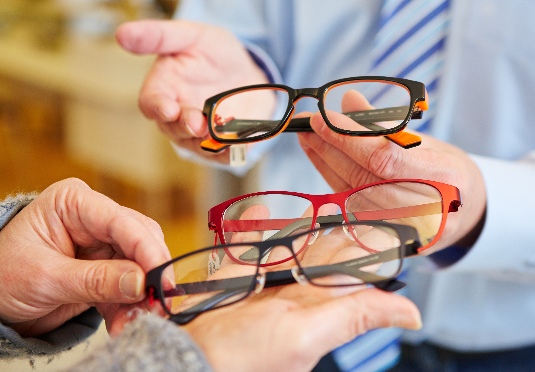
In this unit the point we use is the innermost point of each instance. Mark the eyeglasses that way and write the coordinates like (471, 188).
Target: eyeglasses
(419, 203)
(218, 276)
(233, 116)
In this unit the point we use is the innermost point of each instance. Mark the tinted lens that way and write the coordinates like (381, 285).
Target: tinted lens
(263, 217)
(409, 203)
(208, 279)
(367, 106)
(350, 255)
(249, 114)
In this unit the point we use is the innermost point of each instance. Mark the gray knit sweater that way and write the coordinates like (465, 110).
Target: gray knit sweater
(149, 343)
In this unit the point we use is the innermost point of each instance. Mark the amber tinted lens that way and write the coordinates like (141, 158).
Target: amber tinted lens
(249, 114)
(208, 279)
(367, 106)
(268, 216)
(410, 203)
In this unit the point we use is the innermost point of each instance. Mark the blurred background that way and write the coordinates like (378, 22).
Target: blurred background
(68, 108)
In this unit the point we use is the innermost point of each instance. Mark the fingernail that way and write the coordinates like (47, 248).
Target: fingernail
(417, 323)
(190, 131)
(131, 284)
(166, 113)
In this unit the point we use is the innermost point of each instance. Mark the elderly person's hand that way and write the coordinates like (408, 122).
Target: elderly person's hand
(72, 248)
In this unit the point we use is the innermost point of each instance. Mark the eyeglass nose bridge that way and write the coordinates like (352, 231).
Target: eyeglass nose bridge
(306, 92)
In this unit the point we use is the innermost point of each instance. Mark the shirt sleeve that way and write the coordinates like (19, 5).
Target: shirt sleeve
(63, 338)
(504, 248)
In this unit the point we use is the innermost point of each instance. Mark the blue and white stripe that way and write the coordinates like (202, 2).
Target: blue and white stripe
(410, 43)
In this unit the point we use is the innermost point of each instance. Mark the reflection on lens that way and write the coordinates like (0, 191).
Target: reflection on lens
(209, 279)
(241, 116)
(356, 254)
(346, 106)
(409, 203)
(263, 217)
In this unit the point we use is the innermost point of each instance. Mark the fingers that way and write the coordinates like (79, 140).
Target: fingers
(103, 281)
(178, 122)
(356, 314)
(353, 160)
(157, 36)
(91, 218)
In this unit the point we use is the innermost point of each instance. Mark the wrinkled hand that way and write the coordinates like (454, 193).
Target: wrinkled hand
(348, 162)
(72, 248)
(292, 327)
(194, 61)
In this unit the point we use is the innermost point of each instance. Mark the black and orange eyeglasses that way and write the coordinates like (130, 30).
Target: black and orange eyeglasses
(355, 106)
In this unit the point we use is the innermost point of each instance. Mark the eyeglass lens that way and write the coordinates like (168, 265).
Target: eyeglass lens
(355, 106)
(276, 214)
(333, 256)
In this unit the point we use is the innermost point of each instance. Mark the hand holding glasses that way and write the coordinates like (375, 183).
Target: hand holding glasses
(338, 255)
(350, 238)
(233, 117)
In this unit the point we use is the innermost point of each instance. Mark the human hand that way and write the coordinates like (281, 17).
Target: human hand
(72, 248)
(194, 61)
(297, 323)
(290, 328)
(348, 162)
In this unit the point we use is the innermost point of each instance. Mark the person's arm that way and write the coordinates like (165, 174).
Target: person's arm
(66, 336)
(150, 343)
(505, 244)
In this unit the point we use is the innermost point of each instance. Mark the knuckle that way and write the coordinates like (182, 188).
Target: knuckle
(96, 279)
(385, 162)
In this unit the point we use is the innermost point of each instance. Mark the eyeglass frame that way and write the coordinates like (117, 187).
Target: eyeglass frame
(409, 244)
(451, 202)
(418, 104)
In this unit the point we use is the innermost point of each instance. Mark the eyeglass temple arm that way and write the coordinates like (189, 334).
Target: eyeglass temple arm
(277, 278)
(403, 139)
(255, 126)
(234, 286)
(366, 118)
(322, 221)
(196, 310)
(287, 226)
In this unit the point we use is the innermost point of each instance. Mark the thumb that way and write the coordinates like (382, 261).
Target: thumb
(157, 36)
(100, 281)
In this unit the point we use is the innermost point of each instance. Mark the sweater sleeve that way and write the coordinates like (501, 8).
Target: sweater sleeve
(150, 343)
(71, 333)
(12, 205)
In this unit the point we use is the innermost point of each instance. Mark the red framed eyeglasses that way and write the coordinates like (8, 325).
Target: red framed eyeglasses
(422, 204)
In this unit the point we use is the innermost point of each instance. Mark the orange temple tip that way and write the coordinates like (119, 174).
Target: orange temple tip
(405, 139)
(212, 145)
